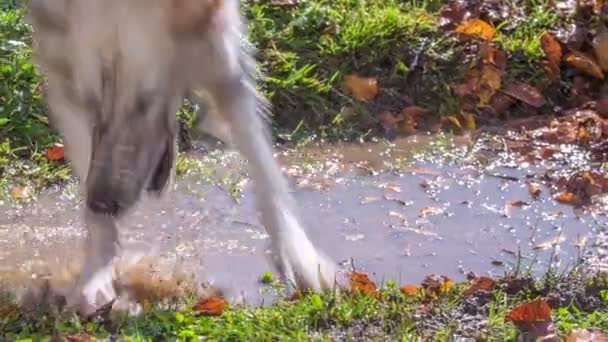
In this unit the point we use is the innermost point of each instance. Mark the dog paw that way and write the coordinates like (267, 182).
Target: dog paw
(96, 292)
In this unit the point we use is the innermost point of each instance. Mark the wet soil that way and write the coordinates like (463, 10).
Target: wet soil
(401, 210)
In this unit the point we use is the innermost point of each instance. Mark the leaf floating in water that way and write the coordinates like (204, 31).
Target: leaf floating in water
(430, 211)
(390, 186)
(566, 198)
(371, 199)
(550, 243)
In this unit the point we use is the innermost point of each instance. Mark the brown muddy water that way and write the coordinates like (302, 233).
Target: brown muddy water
(401, 211)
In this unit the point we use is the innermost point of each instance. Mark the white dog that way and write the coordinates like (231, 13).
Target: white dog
(117, 72)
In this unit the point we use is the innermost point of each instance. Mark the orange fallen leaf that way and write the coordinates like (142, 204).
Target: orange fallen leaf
(20, 192)
(530, 312)
(526, 93)
(480, 284)
(409, 290)
(212, 306)
(476, 28)
(55, 153)
(600, 48)
(566, 197)
(584, 63)
(362, 88)
(553, 54)
(79, 337)
(360, 282)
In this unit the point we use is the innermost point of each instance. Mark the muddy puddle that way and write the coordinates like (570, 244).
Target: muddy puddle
(401, 211)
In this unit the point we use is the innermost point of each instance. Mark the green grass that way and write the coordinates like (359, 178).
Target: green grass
(394, 316)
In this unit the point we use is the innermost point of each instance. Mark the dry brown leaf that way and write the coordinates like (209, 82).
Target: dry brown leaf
(410, 116)
(55, 153)
(362, 88)
(476, 28)
(409, 290)
(600, 48)
(212, 306)
(586, 335)
(534, 311)
(20, 192)
(553, 54)
(532, 317)
(584, 63)
(390, 186)
(526, 93)
(79, 337)
(566, 197)
(360, 282)
(480, 284)
(387, 120)
(489, 82)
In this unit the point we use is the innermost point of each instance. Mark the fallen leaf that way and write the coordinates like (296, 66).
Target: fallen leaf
(476, 28)
(388, 120)
(430, 211)
(511, 204)
(550, 243)
(409, 290)
(584, 63)
(468, 121)
(362, 88)
(453, 119)
(553, 54)
(370, 199)
(566, 197)
(390, 186)
(489, 82)
(533, 317)
(55, 153)
(435, 285)
(212, 306)
(534, 190)
(20, 192)
(600, 48)
(526, 93)
(410, 116)
(480, 284)
(586, 335)
(547, 152)
(360, 282)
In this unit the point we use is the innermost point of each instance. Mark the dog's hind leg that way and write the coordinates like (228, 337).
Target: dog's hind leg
(101, 245)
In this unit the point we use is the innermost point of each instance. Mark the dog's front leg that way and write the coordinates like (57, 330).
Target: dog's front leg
(298, 259)
(101, 247)
(101, 244)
